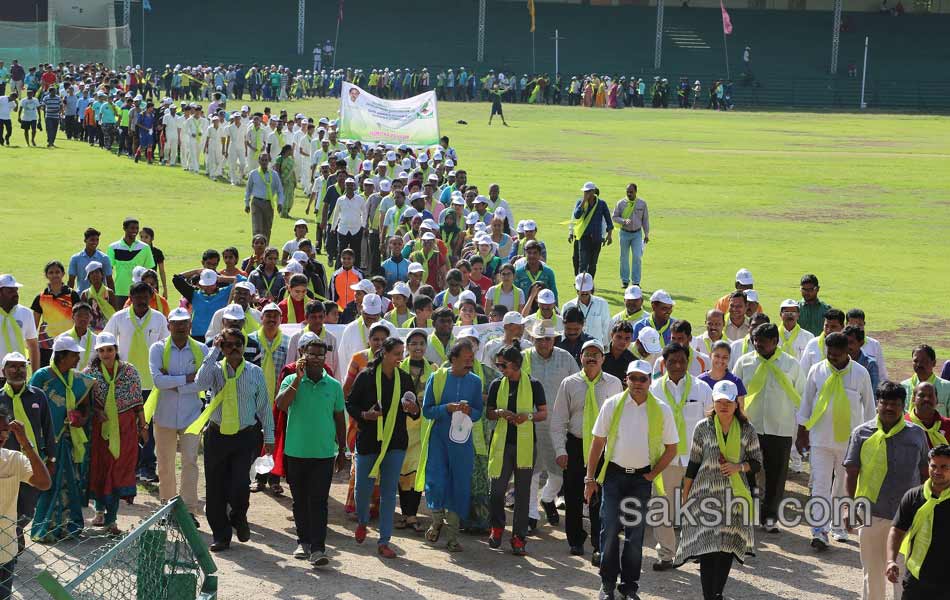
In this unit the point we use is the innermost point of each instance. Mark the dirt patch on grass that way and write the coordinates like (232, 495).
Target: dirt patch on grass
(907, 336)
(837, 213)
(527, 156)
(853, 191)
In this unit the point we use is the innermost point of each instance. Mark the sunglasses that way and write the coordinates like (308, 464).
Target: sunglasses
(638, 378)
(501, 366)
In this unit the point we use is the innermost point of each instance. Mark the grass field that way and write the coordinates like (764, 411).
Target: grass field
(863, 201)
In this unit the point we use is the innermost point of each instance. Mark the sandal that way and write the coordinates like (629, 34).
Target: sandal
(113, 530)
(258, 486)
(99, 520)
(433, 533)
(400, 522)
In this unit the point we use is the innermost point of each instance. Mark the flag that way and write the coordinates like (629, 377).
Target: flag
(147, 6)
(339, 17)
(726, 21)
(531, 12)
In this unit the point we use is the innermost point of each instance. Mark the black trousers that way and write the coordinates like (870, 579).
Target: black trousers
(310, 480)
(227, 461)
(52, 126)
(775, 453)
(588, 253)
(353, 241)
(71, 127)
(915, 590)
(6, 130)
(409, 502)
(574, 497)
(714, 572)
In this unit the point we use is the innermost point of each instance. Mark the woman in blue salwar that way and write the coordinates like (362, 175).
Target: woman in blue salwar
(59, 509)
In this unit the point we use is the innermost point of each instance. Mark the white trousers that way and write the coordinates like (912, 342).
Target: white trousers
(237, 164)
(214, 160)
(827, 483)
(170, 153)
(873, 544)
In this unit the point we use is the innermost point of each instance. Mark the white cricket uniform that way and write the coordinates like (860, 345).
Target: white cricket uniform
(214, 162)
(237, 162)
(172, 125)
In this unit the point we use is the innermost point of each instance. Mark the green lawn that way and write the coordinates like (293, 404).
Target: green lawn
(863, 201)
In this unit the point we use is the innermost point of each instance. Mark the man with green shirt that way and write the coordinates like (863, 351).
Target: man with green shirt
(314, 445)
(811, 309)
(126, 254)
(924, 361)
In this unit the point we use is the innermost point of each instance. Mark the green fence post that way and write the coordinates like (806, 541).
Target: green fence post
(150, 567)
(53, 587)
(188, 529)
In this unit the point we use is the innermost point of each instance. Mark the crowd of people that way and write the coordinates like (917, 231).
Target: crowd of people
(414, 330)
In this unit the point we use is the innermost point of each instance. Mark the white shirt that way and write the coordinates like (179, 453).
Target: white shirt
(171, 123)
(236, 136)
(597, 317)
(812, 355)
(290, 246)
(567, 414)
(872, 348)
(631, 448)
(217, 325)
(120, 325)
(178, 404)
(857, 386)
(23, 317)
(214, 136)
(5, 107)
(697, 366)
(698, 402)
(15, 469)
(256, 138)
(491, 348)
(349, 213)
(801, 341)
(700, 343)
(736, 351)
(773, 412)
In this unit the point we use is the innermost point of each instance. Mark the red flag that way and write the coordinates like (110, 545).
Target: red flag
(726, 21)
(340, 16)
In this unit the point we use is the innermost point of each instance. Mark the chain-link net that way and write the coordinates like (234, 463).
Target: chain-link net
(49, 42)
(153, 561)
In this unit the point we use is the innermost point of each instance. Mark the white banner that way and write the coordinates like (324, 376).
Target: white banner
(364, 117)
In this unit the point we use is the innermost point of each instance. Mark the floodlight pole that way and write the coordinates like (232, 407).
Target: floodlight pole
(835, 37)
(126, 12)
(658, 52)
(480, 49)
(301, 8)
(864, 72)
(557, 65)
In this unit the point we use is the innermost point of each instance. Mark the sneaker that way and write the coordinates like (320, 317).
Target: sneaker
(360, 534)
(385, 551)
(663, 565)
(302, 551)
(840, 535)
(532, 526)
(518, 546)
(605, 594)
(769, 526)
(494, 538)
(577, 551)
(819, 540)
(319, 559)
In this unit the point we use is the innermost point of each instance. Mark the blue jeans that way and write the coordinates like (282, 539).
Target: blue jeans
(388, 482)
(630, 241)
(618, 486)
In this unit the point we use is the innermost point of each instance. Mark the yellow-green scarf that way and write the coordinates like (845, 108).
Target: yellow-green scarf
(386, 424)
(76, 434)
(832, 392)
(19, 412)
(110, 429)
(874, 461)
(916, 543)
(730, 450)
(524, 458)
(226, 398)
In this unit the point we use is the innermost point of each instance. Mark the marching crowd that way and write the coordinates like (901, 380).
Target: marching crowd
(456, 371)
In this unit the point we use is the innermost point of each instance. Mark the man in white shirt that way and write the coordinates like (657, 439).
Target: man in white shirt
(633, 460)
(514, 327)
(255, 140)
(838, 397)
(242, 295)
(794, 338)
(688, 398)
(682, 333)
(815, 350)
(234, 150)
(17, 324)
(571, 435)
(349, 220)
(596, 310)
(774, 384)
(174, 363)
(355, 336)
(715, 323)
(214, 148)
(871, 346)
(737, 325)
(304, 145)
(172, 124)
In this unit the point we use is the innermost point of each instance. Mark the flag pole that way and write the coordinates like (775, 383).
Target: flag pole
(534, 66)
(864, 72)
(336, 41)
(725, 47)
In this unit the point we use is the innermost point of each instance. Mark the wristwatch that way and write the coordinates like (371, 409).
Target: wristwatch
(531, 416)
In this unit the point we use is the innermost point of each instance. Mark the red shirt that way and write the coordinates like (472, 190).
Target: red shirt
(944, 427)
(285, 312)
(483, 283)
(48, 78)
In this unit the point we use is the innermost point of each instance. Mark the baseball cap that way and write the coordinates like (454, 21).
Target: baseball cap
(481, 199)
(725, 390)
(66, 343)
(271, 306)
(300, 222)
(467, 296)
(583, 282)
(633, 293)
(14, 357)
(663, 297)
(245, 285)
(372, 304)
(233, 312)
(208, 277)
(650, 339)
(179, 314)
(544, 328)
(416, 268)
(292, 266)
(593, 344)
(300, 256)
(639, 366)
(428, 236)
(459, 201)
(751, 296)
(471, 218)
(94, 265)
(512, 318)
(546, 296)
(307, 338)
(430, 225)
(530, 225)
(385, 185)
(787, 303)
(402, 289)
(588, 186)
(137, 273)
(105, 339)
(744, 277)
(364, 285)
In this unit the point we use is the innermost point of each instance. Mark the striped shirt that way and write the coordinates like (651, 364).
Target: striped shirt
(253, 401)
(52, 106)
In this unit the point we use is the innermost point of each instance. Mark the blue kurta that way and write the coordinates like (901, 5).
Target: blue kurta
(449, 465)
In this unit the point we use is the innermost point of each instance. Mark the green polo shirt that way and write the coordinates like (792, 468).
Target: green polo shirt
(812, 316)
(311, 430)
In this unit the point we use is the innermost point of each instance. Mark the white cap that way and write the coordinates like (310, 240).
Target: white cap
(137, 273)
(544, 328)
(402, 175)
(300, 222)
(424, 158)
(450, 163)
(300, 256)
(650, 339)
(530, 225)
(633, 293)
(245, 285)
(663, 297)
(428, 236)
(512, 318)
(179, 314)
(385, 185)
(546, 296)
(588, 186)
(725, 390)
(372, 304)
(459, 201)
(293, 267)
(207, 277)
(401, 288)
(350, 180)
(744, 277)
(307, 338)
(66, 343)
(467, 296)
(416, 268)
(410, 213)
(520, 227)
(430, 225)
(365, 286)
(391, 156)
(14, 357)
(583, 282)
(788, 303)
(593, 344)
(433, 178)
(271, 306)
(481, 199)
(469, 332)
(233, 312)
(94, 265)
(501, 213)
(416, 196)
(437, 155)
(406, 163)
(751, 296)
(105, 339)
(639, 366)
(367, 165)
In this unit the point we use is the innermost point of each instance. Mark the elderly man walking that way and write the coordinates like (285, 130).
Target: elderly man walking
(263, 187)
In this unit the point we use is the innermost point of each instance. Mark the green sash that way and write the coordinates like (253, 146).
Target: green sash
(525, 432)
(152, 402)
